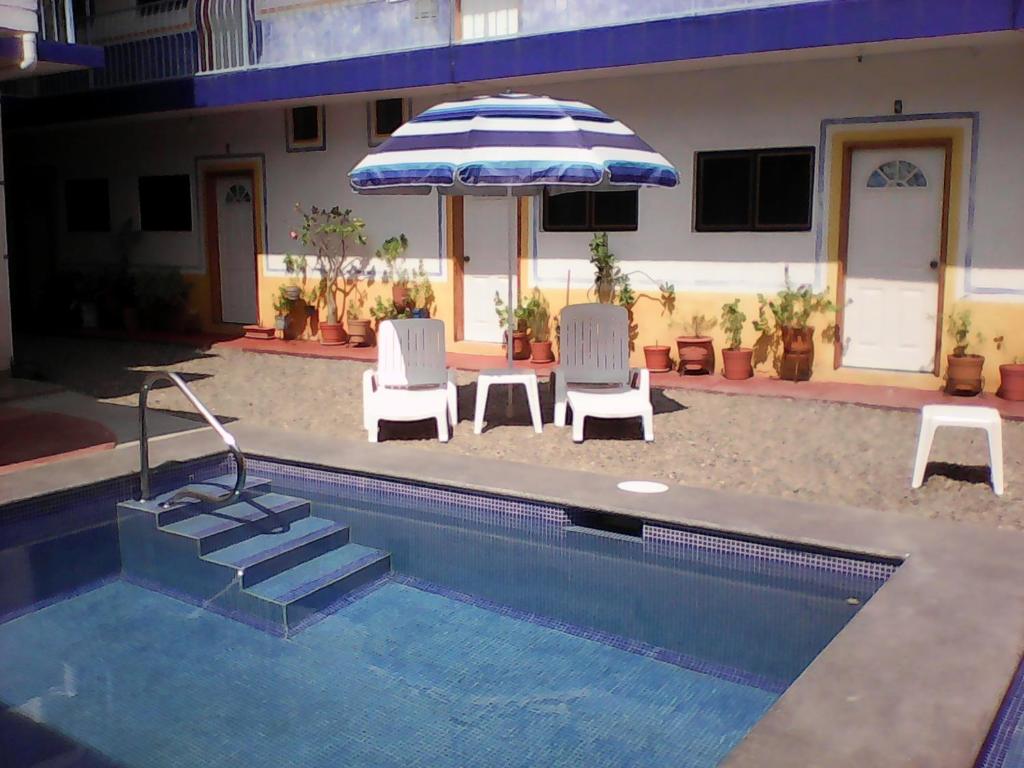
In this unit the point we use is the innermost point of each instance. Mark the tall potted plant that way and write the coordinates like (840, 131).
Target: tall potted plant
(608, 275)
(736, 359)
(521, 336)
(332, 234)
(391, 253)
(538, 321)
(963, 370)
(786, 318)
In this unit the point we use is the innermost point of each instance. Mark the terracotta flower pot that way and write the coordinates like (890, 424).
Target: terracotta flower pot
(540, 352)
(520, 345)
(400, 295)
(736, 363)
(332, 334)
(797, 353)
(963, 374)
(656, 358)
(696, 354)
(259, 332)
(1011, 381)
(359, 333)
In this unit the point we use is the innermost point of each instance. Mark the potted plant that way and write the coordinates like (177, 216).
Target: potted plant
(790, 312)
(163, 298)
(608, 277)
(391, 252)
(419, 299)
(520, 336)
(696, 349)
(736, 359)
(963, 370)
(1011, 380)
(538, 322)
(332, 234)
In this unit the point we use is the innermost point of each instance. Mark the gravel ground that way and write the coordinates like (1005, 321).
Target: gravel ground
(796, 449)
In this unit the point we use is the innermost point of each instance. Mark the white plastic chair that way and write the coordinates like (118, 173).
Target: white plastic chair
(411, 381)
(593, 377)
(967, 417)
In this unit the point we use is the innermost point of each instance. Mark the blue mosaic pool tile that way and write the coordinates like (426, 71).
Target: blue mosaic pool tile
(762, 557)
(629, 645)
(1004, 747)
(466, 505)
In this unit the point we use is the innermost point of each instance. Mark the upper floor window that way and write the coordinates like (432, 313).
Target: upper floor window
(305, 129)
(165, 203)
(489, 18)
(386, 116)
(87, 205)
(754, 190)
(591, 211)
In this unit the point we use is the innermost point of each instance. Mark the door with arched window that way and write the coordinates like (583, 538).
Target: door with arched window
(235, 249)
(895, 240)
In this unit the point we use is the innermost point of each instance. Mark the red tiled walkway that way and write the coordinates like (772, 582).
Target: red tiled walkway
(902, 398)
(30, 437)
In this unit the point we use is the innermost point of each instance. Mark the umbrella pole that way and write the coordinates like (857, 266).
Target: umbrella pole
(513, 263)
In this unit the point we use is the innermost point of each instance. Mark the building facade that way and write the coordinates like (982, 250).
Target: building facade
(870, 150)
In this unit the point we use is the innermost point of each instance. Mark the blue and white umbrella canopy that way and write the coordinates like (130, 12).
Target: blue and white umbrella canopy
(511, 144)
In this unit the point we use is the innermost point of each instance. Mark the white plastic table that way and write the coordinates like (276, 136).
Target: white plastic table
(966, 417)
(510, 376)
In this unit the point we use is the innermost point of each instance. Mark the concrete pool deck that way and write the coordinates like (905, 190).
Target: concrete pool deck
(915, 679)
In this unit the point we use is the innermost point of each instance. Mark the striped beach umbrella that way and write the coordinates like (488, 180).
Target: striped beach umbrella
(511, 144)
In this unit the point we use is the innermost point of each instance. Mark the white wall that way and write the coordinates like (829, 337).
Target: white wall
(679, 114)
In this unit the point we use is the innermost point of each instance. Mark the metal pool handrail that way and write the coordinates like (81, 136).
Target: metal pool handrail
(227, 437)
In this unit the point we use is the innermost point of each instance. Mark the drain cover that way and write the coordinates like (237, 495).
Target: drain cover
(642, 486)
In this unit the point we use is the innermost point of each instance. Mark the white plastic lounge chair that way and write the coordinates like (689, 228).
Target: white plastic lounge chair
(593, 377)
(412, 381)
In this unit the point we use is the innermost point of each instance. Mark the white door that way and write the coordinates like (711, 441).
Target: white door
(237, 249)
(489, 233)
(893, 257)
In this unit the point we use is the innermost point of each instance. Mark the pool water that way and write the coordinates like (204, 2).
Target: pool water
(506, 633)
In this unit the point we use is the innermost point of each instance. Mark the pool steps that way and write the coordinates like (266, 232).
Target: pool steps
(265, 559)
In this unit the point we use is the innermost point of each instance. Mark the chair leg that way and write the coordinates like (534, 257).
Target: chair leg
(577, 427)
(648, 420)
(924, 449)
(481, 405)
(533, 398)
(373, 430)
(442, 426)
(561, 395)
(995, 452)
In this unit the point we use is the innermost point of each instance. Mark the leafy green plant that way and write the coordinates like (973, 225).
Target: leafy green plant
(420, 289)
(791, 308)
(332, 233)
(608, 276)
(521, 312)
(699, 325)
(732, 323)
(391, 252)
(163, 295)
(386, 310)
(958, 325)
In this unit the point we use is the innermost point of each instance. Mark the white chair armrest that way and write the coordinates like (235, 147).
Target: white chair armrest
(640, 378)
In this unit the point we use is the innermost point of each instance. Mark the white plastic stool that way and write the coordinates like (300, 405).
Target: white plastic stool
(967, 417)
(526, 378)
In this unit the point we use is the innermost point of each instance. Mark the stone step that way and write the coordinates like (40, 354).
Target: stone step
(224, 526)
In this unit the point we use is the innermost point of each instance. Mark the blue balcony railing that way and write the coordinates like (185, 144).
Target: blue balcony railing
(165, 39)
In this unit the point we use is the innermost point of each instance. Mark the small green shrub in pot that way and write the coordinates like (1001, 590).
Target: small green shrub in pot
(964, 371)
(736, 360)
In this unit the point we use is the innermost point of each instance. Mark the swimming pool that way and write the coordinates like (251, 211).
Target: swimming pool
(425, 626)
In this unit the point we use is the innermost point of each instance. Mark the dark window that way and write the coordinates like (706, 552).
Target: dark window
(165, 203)
(87, 205)
(306, 124)
(149, 7)
(591, 211)
(389, 114)
(758, 190)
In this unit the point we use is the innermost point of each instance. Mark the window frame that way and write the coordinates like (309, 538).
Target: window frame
(373, 137)
(589, 225)
(68, 205)
(191, 201)
(755, 156)
(316, 144)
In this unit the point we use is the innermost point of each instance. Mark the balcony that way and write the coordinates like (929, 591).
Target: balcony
(165, 39)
